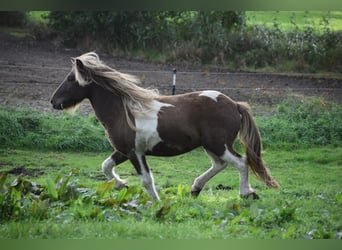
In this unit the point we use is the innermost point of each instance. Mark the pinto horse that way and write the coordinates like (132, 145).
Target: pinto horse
(140, 122)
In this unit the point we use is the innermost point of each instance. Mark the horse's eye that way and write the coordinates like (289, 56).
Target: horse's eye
(71, 78)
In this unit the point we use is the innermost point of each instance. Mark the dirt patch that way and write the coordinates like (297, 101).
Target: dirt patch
(30, 71)
(25, 171)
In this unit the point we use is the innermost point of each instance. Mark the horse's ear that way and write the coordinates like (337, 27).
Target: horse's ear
(79, 65)
(72, 59)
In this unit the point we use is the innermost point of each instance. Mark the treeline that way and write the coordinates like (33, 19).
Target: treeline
(210, 37)
(215, 37)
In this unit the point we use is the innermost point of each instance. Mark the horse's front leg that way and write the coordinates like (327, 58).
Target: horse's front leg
(108, 169)
(141, 166)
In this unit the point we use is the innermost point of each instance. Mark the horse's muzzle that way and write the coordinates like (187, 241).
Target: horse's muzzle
(55, 105)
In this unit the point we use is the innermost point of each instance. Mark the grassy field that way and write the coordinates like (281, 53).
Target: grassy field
(52, 186)
(307, 205)
(290, 20)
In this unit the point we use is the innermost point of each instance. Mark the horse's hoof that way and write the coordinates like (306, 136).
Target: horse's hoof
(252, 196)
(121, 185)
(195, 193)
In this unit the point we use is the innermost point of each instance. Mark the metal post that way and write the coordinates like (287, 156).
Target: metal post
(174, 81)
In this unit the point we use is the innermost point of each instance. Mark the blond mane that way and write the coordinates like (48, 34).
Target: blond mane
(135, 99)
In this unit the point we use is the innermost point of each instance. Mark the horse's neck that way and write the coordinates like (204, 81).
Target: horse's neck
(108, 107)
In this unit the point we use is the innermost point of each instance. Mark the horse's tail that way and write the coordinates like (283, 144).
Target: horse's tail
(250, 137)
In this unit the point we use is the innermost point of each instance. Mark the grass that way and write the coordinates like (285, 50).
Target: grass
(307, 205)
(289, 20)
(32, 129)
(38, 16)
(55, 187)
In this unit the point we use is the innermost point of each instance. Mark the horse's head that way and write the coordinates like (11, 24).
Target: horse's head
(71, 91)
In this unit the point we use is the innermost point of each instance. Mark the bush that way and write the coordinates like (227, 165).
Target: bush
(219, 37)
(303, 123)
(12, 18)
(121, 29)
(30, 129)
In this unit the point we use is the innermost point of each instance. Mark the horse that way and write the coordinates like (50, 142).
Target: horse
(139, 122)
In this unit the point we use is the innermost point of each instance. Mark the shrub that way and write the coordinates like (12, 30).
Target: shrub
(12, 18)
(303, 123)
(31, 129)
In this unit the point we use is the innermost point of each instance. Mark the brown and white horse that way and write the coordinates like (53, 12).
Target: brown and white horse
(141, 122)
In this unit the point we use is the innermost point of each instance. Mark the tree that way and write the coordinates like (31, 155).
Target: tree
(12, 18)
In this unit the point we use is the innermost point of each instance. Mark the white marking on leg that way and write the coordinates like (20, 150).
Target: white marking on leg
(217, 166)
(241, 165)
(108, 169)
(147, 135)
(212, 94)
(147, 179)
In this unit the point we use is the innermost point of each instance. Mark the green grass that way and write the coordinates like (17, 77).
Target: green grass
(307, 205)
(27, 128)
(38, 16)
(289, 20)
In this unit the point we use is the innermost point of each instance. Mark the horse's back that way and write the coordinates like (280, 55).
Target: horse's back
(197, 119)
(199, 107)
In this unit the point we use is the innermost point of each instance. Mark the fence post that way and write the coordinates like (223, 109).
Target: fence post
(174, 81)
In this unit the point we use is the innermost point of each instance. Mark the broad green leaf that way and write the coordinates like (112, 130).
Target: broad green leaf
(121, 195)
(104, 187)
(51, 188)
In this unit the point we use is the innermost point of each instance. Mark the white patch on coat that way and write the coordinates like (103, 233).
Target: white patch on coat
(217, 166)
(108, 169)
(212, 94)
(147, 179)
(107, 166)
(147, 135)
(240, 164)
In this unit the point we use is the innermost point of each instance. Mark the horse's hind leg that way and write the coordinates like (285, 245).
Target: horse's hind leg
(141, 166)
(217, 166)
(108, 169)
(241, 165)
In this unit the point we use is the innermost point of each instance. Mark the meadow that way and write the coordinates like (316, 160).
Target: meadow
(291, 20)
(52, 185)
(66, 196)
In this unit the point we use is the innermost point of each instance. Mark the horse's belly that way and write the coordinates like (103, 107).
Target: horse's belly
(169, 149)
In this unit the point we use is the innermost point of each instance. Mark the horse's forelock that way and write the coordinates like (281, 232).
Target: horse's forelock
(89, 61)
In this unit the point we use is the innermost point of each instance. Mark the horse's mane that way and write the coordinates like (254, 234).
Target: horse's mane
(136, 99)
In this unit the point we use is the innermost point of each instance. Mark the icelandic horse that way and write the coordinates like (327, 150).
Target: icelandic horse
(141, 122)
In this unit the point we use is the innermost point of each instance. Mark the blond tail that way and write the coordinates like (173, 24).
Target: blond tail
(251, 139)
